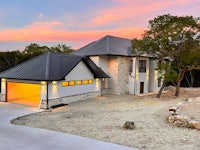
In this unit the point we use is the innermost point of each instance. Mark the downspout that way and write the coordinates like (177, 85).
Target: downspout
(135, 75)
(101, 87)
(47, 96)
(47, 77)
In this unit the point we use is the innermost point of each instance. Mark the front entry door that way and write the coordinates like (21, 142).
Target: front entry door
(141, 87)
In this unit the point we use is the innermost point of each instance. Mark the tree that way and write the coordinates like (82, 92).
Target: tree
(11, 58)
(34, 48)
(61, 48)
(175, 39)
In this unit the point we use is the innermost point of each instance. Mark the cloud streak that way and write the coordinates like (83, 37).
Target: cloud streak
(55, 31)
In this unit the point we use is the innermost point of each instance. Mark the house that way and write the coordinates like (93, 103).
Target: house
(129, 72)
(51, 79)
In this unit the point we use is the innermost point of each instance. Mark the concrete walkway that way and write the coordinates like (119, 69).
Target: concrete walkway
(13, 137)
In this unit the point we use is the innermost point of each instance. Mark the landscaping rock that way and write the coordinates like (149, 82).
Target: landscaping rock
(129, 125)
(171, 119)
(194, 124)
(173, 109)
(178, 121)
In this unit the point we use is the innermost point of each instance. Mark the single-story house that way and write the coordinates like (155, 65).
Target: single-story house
(128, 71)
(51, 79)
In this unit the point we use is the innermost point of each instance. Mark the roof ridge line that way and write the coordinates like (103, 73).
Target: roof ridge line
(107, 47)
(96, 42)
(47, 66)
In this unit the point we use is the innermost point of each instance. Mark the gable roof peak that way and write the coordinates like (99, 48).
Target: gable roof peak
(107, 45)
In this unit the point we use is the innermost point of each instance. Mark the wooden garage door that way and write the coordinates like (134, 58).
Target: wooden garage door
(23, 93)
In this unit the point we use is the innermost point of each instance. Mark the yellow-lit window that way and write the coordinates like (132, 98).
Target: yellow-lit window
(90, 81)
(71, 83)
(65, 83)
(78, 82)
(85, 81)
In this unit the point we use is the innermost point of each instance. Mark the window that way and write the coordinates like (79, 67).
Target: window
(131, 66)
(65, 83)
(142, 65)
(78, 82)
(159, 82)
(85, 81)
(71, 83)
(90, 81)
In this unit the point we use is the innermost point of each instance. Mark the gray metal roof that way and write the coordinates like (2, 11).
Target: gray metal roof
(98, 72)
(49, 66)
(108, 45)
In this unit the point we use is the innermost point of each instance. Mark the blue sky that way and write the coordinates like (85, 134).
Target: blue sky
(76, 23)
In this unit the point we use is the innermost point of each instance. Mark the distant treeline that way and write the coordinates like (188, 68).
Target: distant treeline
(9, 59)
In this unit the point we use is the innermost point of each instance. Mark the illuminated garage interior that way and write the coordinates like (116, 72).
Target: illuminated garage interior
(23, 93)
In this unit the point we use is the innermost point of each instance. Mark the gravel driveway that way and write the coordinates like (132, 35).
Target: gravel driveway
(103, 118)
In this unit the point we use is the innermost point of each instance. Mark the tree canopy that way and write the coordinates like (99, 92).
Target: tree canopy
(175, 39)
(9, 59)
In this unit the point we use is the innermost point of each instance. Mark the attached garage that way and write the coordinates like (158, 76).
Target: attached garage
(23, 93)
(50, 79)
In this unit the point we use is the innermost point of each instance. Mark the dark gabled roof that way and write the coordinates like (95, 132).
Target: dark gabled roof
(48, 67)
(108, 45)
(98, 72)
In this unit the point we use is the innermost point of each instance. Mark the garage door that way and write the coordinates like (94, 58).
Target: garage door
(23, 93)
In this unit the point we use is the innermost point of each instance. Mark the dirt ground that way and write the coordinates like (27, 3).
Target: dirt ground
(103, 118)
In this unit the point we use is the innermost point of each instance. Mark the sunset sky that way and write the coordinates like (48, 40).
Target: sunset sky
(79, 22)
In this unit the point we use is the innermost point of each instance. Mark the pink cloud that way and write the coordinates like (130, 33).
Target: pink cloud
(55, 31)
(125, 12)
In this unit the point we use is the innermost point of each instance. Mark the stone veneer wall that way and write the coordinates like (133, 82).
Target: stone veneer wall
(123, 76)
(113, 73)
(118, 69)
(69, 99)
(3, 97)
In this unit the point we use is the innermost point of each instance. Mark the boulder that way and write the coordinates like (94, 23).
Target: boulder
(171, 119)
(178, 121)
(194, 124)
(181, 121)
(173, 109)
(129, 125)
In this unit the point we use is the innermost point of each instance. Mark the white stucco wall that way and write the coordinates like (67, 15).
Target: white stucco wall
(3, 90)
(102, 62)
(80, 72)
(95, 59)
(142, 77)
(154, 75)
(132, 77)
